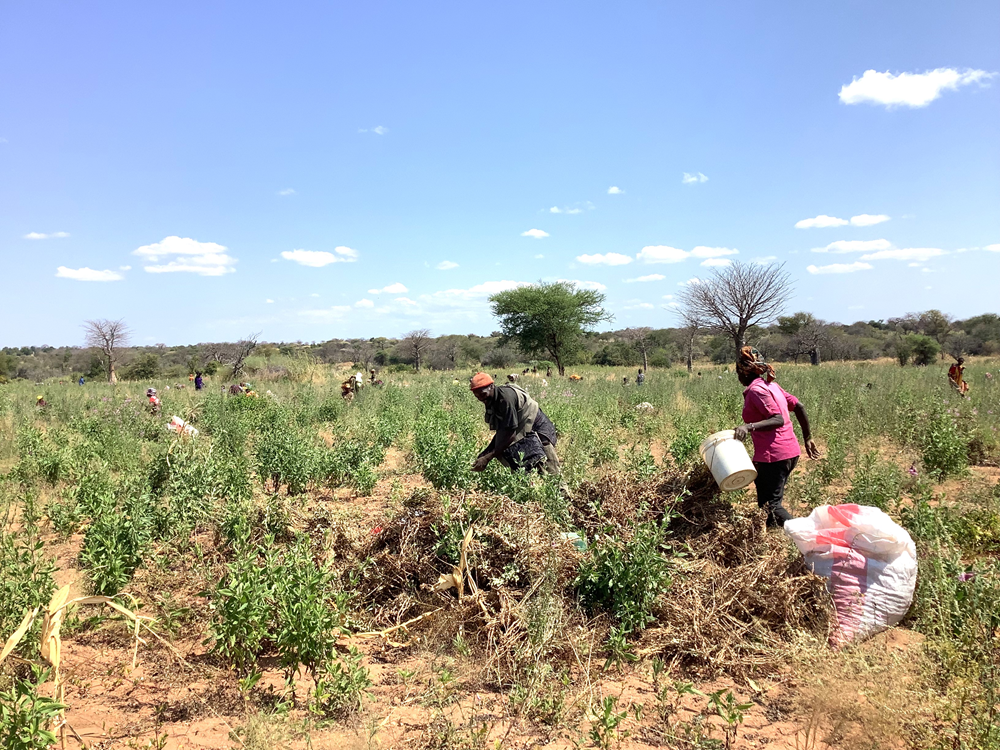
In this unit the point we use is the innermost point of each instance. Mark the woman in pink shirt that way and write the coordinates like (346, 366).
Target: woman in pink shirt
(775, 448)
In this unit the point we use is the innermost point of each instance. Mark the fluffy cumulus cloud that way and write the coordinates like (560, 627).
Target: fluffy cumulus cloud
(649, 277)
(396, 288)
(320, 258)
(716, 262)
(634, 305)
(287, 191)
(667, 254)
(914, 254)
(615, 190)
(867, 220)
(595, 286)
(908, 89)
(691, 178)
(662, 254)
(854, 246)
(364, 303)
(44, 236)
(185, 255)
(446, 265)
(823, 221)
(87, 274)
(820, 222)
(536, 233)
(604, 259)
(557, 210)
(993, 248)
(840, 268)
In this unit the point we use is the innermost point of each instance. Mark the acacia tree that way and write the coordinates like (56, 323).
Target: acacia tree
(548, 318)
(415, 343)
(110, 337)
(738, 296)
(639, 338)
(362, 352)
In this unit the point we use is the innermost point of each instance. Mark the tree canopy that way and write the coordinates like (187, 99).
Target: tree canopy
(549, 318)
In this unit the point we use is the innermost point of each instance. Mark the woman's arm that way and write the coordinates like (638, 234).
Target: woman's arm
(771, 423)
(800, 414)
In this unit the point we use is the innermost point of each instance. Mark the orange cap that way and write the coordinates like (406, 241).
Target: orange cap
(480, 380)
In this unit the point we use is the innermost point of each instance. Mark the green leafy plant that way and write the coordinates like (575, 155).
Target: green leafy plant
(25, 716)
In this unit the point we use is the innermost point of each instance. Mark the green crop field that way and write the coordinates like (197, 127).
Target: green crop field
(325, 573)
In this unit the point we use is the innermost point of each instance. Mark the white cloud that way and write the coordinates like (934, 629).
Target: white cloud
(604, 259)
(539, 257)
(650, 277)
(713, 252)
(557, 210)
(314, 294)
(993, 248)
(405, 301)
(287, 191)
(926, 270)
(595, 286)
(364, 303)
(615, 190)
(396, 288)
(638, 306)
(87, 274)
(668, 296)
(908, 89)
(446, 265)
(854, 246)
(764, 260)
(330, 313)
(662, 254)
(867, 220)
(378, 130)
(690, 178)
(689, 282)
(190, 256)
(269, 302)
(716, 262)
(918, 254)
(536, 233)
(820, 222)
(320, 258)
(840, 268)
(124, 268)
(43, 236)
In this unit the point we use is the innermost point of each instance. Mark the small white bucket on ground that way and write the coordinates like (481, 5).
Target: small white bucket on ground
(728, 461)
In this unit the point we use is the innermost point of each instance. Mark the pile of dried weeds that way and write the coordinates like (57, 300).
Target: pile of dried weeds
(500, 575)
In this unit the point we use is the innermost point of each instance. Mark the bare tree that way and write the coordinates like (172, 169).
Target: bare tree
(239, 352)
(415, 343)
(639, 338)
(362, 353)
(110, 336)
(739, 296)
(691, 323)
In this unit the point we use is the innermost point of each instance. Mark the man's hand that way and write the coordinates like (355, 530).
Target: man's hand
(481, 463)
(741, 432)
(811, 450)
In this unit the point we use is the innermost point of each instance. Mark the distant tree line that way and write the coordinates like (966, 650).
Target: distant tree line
(913, 339)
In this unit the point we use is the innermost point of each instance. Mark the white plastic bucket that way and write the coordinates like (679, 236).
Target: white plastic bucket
(728, 461)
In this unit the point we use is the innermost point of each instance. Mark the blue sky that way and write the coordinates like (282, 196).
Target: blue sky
(205, 170)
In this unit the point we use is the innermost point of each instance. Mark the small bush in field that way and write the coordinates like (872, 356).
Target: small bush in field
(876, 483)
(340, 686)
(25, 583)
(944, 448)
(684, 447)
(115, 543)
(625, 577)
(241, 607)
(444, 459)
(26, 714)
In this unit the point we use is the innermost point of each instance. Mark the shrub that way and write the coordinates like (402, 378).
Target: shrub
(943, 448)
(25, 716)
(876, 483)
(115, 543)
(25, 583)
(625, 577)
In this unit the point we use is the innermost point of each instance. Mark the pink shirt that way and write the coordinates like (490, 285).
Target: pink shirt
(760, 401)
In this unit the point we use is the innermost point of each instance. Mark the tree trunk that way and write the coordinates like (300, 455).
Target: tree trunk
(560, 368)
(417, 357)
(814, 358)
(645, 361)
(112, 378)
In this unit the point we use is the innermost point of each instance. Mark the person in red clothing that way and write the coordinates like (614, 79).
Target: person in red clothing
(765, 418)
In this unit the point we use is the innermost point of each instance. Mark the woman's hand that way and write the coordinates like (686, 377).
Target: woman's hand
(741, 432)
(482, 462)
(811, 450)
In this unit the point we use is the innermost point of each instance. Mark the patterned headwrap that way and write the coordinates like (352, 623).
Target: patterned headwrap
(750, 363)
